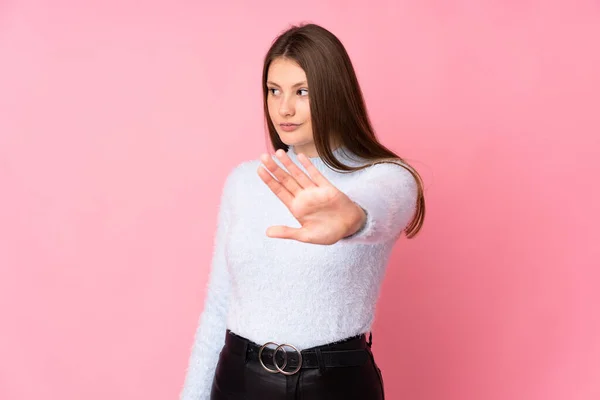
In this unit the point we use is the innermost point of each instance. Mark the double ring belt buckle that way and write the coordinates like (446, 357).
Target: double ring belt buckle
(280, 369)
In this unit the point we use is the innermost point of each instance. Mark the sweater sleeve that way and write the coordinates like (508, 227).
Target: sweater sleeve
(209, 336)
(387, 193)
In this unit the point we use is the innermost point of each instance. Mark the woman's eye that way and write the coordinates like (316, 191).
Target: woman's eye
(272, 90)
(303, 90)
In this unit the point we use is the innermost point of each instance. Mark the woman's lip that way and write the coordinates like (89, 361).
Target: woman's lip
(289, 127)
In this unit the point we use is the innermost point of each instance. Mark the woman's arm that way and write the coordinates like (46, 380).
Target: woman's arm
(387, 195)
(209, 337)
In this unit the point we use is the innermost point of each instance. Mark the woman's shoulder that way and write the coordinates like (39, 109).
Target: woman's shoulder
(244, 168)
(244, 165)
(395, 170)
(390, 182)
(242, 171)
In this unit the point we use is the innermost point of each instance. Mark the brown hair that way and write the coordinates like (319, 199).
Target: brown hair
(337, 107)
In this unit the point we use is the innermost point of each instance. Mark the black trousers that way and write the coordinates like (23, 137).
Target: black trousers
(240, 376)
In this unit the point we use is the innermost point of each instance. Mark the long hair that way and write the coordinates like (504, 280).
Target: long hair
(337, 107)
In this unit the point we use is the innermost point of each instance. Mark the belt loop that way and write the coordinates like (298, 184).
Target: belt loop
(370, 342)
(320, 361)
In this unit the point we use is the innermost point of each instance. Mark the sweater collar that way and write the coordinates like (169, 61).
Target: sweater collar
(342, 153)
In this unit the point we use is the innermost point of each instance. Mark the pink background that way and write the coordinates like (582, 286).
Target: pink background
(120, 120)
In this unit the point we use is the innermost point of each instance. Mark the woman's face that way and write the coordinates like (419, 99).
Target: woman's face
(288, 104)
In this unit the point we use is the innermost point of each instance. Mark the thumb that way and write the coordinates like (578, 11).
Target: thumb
(284, 232)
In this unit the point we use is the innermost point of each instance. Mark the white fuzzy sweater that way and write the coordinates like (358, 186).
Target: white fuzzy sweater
(285, 291)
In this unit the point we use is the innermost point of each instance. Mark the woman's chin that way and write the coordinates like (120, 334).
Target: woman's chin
(292, 140)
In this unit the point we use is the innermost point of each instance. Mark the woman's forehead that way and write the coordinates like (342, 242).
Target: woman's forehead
(284, 72)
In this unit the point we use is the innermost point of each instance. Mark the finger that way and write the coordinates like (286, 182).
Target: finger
(314, 173)
(282, 176)
(296, 172)
(281, 192)
(286, 232)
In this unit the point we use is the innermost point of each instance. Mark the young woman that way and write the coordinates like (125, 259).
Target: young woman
(303, 240)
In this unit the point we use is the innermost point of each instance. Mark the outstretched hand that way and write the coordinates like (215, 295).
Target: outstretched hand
(326, 214)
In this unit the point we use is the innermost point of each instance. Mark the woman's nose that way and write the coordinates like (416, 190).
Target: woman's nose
(286, 107)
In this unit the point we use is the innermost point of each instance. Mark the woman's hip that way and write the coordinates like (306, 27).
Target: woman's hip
(341, 370)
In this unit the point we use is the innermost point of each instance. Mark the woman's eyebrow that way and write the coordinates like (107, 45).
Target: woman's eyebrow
(296, 85)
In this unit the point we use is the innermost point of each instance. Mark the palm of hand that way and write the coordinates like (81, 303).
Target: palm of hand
(325, 214)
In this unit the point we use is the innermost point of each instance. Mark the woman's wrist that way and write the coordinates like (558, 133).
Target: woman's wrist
(358, 221)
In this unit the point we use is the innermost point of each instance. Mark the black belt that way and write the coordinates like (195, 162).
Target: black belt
(286, 359)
